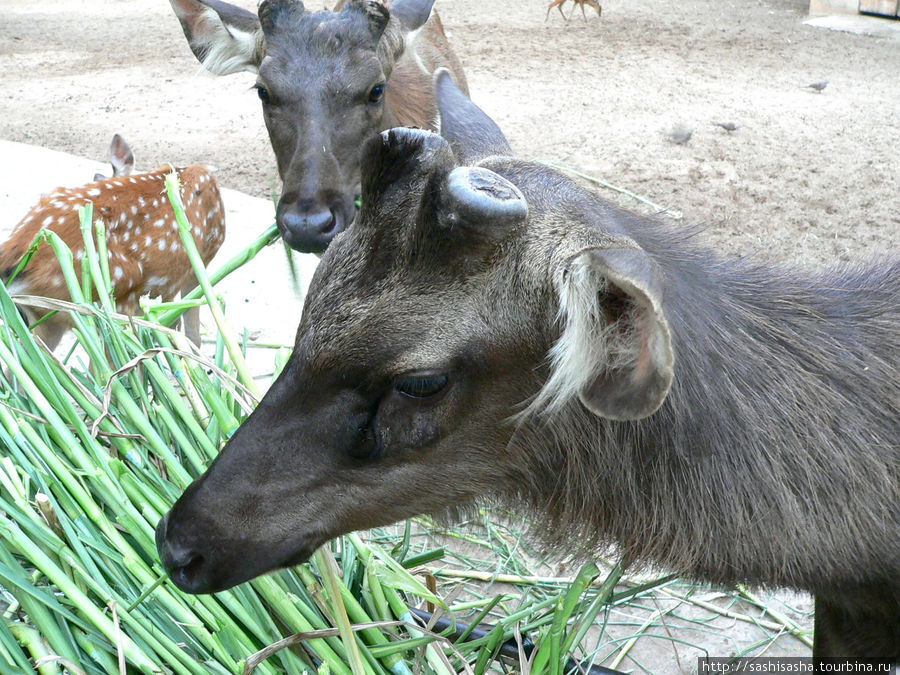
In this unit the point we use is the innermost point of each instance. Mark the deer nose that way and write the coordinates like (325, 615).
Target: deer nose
(306, 225)
(182, 563)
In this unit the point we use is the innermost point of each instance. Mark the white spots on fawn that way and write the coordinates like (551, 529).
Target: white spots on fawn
(139, 263)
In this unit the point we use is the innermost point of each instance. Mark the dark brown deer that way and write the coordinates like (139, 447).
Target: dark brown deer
(327, 81)
(491, 327)
(146, 256)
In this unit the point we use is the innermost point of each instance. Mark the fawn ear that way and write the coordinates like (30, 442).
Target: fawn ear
(121, 157)
(224, 38)
(615, 351)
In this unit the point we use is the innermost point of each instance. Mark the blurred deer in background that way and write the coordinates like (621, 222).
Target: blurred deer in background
(146, 256)
(559, 3)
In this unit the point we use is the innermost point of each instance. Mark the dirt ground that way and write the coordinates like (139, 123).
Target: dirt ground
(807, 177)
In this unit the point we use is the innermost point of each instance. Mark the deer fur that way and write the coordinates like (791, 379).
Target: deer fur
(492, 327)
(146, 256)
(315, 71)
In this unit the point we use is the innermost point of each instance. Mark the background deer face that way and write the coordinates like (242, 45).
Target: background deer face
(322, 83)
(325, 82)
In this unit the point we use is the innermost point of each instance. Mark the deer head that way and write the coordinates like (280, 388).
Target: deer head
(324, 82)
(472, 286)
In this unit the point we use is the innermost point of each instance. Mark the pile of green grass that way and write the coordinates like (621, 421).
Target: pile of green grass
(95, 446)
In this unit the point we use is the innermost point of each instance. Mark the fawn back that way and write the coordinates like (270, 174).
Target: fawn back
(146, 256)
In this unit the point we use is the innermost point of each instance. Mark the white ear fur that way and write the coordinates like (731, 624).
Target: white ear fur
(227, 49)
(619, 367)
(575, 356)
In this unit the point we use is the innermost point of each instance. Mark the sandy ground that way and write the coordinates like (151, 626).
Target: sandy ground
(807, 177)
(810, 177)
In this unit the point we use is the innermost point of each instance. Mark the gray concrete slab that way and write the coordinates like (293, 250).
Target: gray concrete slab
(859, 24)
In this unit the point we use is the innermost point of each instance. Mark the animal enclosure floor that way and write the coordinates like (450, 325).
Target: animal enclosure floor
(807, 177)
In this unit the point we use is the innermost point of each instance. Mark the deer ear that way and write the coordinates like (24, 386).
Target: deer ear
(615, 351)
(412, 14)
(472, 134)
(224, 37)
(479, 198)
(121, 157)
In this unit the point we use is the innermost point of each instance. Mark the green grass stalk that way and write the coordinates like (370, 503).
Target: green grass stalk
(172, 313)
(184, 229)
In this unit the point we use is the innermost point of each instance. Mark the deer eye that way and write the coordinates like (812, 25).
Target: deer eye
(377, 93)
(262, 92)
(421, 386)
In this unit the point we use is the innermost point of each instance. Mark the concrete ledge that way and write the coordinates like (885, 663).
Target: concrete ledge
(818, 7)
(871, 26)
